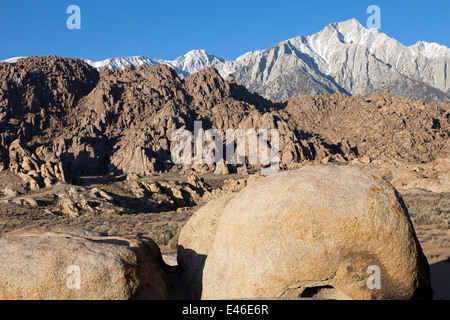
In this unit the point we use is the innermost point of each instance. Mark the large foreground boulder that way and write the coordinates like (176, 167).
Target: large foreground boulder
(59, 263)
(328, 232)
(195, 241)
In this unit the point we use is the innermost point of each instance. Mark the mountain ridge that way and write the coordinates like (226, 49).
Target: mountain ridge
(344, 57)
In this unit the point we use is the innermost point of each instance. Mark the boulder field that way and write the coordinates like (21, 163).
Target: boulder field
(323, 232)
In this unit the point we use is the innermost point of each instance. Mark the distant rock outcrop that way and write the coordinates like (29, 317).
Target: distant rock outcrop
(381, 127)
(32, 170)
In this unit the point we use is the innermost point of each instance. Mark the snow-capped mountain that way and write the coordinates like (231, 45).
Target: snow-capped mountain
(12, 60)
(191, 62)
(347, 57)
(195, 60)
(343, 57)
(119, 63)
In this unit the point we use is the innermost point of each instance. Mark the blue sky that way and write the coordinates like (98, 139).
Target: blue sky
(168, 29)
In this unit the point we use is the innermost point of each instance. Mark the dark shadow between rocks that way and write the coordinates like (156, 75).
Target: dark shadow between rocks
(440, 279)
(190, 274)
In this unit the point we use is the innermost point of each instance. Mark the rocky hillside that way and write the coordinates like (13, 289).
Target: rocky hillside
(36, 95)
(59, 114)
(381, 126)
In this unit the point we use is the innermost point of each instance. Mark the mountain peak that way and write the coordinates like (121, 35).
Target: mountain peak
(197, 52)
(351, 23)
(348, 26)
(351, 31)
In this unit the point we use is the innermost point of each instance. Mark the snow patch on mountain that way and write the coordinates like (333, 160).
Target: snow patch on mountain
(13, 60)
(430, 50)
(119, 63)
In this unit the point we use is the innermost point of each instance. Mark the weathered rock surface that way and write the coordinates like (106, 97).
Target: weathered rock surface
(68, 264)
(75, 201)
(106, 196)
(196, 239)
(313, 232)
(33, 171)
(3, 162)
(380, 127)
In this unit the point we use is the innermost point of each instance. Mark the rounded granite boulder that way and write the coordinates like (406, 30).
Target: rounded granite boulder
(333, 232)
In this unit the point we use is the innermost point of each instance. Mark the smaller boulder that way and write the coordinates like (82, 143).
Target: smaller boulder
(69, 264)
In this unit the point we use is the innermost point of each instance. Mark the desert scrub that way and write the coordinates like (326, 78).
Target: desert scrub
(119, 212)
(173, 243)
(445, 242)
(428, 208)
(163, 232)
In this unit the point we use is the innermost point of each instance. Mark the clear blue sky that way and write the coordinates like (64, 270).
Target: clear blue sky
(167, 29)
